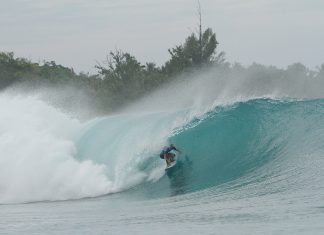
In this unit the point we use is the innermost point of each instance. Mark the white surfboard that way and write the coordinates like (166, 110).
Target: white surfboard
(172, 164)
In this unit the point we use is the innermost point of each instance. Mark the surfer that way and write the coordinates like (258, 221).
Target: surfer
(167, 155)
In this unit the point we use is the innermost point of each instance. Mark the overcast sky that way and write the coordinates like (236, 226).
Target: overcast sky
(77, 33)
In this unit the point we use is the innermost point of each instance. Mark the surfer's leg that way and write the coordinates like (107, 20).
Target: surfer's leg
(166, 158)
(171, 157)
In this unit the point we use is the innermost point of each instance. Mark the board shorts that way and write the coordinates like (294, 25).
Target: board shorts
(170, 155)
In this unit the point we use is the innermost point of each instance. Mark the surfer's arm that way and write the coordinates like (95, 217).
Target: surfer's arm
(178, 150)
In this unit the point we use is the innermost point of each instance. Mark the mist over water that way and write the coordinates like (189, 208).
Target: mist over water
(222, 86)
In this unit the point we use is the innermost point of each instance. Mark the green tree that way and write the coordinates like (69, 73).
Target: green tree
(198, 50)
(120, 66)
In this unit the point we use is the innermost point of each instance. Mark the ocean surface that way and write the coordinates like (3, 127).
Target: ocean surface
(251, 165)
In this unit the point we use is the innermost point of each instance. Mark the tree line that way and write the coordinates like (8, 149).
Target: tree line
(119, 79)
(122, 78)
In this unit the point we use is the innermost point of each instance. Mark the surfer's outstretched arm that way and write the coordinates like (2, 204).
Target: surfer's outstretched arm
(178, 150)
(174, 148)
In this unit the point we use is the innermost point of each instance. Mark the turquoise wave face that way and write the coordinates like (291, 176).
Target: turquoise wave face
(241, 143)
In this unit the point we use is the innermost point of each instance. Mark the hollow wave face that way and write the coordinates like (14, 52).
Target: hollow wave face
(247, 142)
(220, 147)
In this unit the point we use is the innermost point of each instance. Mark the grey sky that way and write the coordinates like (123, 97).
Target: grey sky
(77, 33)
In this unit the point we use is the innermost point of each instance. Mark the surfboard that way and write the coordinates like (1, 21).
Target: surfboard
(172, 164)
